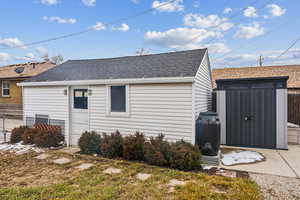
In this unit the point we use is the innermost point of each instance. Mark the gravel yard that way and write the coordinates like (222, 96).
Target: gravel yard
(277, 187)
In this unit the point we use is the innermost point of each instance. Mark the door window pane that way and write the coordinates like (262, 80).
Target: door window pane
(81, 98)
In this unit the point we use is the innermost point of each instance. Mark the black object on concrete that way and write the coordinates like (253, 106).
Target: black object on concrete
(208, 133)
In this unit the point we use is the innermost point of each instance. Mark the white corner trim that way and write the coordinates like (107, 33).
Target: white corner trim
(221, 110)
(281, 119)
(111, 81)
(193, 115)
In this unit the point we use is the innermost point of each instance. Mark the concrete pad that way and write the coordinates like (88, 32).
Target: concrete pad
(43, 156)
(62, 161)
(142, 176)
(84, 166)
(112, 170)
(274, 164)
(292, 157)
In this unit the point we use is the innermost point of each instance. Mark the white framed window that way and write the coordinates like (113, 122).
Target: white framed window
(5, 89)
(118, 100)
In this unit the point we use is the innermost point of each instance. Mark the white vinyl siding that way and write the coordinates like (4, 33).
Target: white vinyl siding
(154, 109)
(49, 101)
(203, 88)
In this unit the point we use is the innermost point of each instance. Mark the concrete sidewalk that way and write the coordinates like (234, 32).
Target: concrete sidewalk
(278, 162)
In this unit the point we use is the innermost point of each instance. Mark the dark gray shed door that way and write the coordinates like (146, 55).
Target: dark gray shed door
(251, 117)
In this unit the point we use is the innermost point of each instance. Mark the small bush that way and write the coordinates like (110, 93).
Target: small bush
(29, 135)
(157, 151)
(49, 137)
(133, 147)
(16, 134)
(112, 145)
(185, 156)
(89, 143)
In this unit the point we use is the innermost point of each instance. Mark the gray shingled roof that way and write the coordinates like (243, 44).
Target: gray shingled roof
(175, 64)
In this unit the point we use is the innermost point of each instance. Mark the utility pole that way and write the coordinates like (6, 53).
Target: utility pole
(260, 61)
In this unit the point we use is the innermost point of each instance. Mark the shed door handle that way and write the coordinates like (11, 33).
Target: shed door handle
(248, 118)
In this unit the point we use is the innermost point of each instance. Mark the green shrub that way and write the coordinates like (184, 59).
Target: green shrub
(133, 147)
(29, 135)
(112, 145)
(16, 134)
(49, 137)
(89, 143)
(157, 151)
(185, 156)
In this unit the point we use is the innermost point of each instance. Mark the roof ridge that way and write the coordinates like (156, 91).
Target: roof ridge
(115, 58)
(290, 65)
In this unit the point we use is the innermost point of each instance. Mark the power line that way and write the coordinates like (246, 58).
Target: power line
(291, 46)
(274, 29)
(90, 29)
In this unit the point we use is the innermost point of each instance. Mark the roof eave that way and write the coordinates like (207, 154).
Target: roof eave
(110, 81)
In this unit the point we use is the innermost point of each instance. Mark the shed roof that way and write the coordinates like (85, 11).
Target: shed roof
(292, 71)
(30, 69)
(174, 64)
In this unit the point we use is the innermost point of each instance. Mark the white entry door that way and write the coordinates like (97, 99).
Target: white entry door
(79, 113)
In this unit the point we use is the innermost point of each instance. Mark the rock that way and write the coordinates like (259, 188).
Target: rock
(175, 182)
(62, 161)
(142, 176)
(84, 166)
(112, 170)
(42, 156)
(227, 173)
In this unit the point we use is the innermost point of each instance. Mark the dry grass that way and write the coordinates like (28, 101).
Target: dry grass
(23, 177)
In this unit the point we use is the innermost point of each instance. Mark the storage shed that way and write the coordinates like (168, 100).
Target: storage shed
(253, 112)
(154, 94)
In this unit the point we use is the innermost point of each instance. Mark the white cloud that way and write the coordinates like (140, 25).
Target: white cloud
(41, 50)
(276, 10)
(60, 20)
(250, 12)
(250, 31)
(27, 57)
(89, 2)
(217, 48)
(136, 1)
(227, 10)
(122, 28)
(98, 26)
(49, 2)
(164, 6)
(4, 57)
(270, 58)
(180, 38)
(12, 42)
(210, 21)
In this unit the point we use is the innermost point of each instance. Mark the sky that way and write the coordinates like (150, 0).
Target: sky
(236, 32)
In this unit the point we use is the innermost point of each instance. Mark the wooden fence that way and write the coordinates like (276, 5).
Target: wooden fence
(294, 108)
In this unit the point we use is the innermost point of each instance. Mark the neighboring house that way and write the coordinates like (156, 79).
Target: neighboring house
(10, 75)
(292, 71)
(162, 93)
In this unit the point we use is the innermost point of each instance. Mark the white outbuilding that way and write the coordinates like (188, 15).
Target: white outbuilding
(158, 93)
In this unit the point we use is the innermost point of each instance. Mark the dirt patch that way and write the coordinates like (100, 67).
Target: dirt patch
(26, 170)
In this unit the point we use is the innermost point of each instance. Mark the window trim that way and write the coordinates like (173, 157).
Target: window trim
(2, 88)
(108, 102)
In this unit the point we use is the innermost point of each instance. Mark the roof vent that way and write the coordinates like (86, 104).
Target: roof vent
(19, 70)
